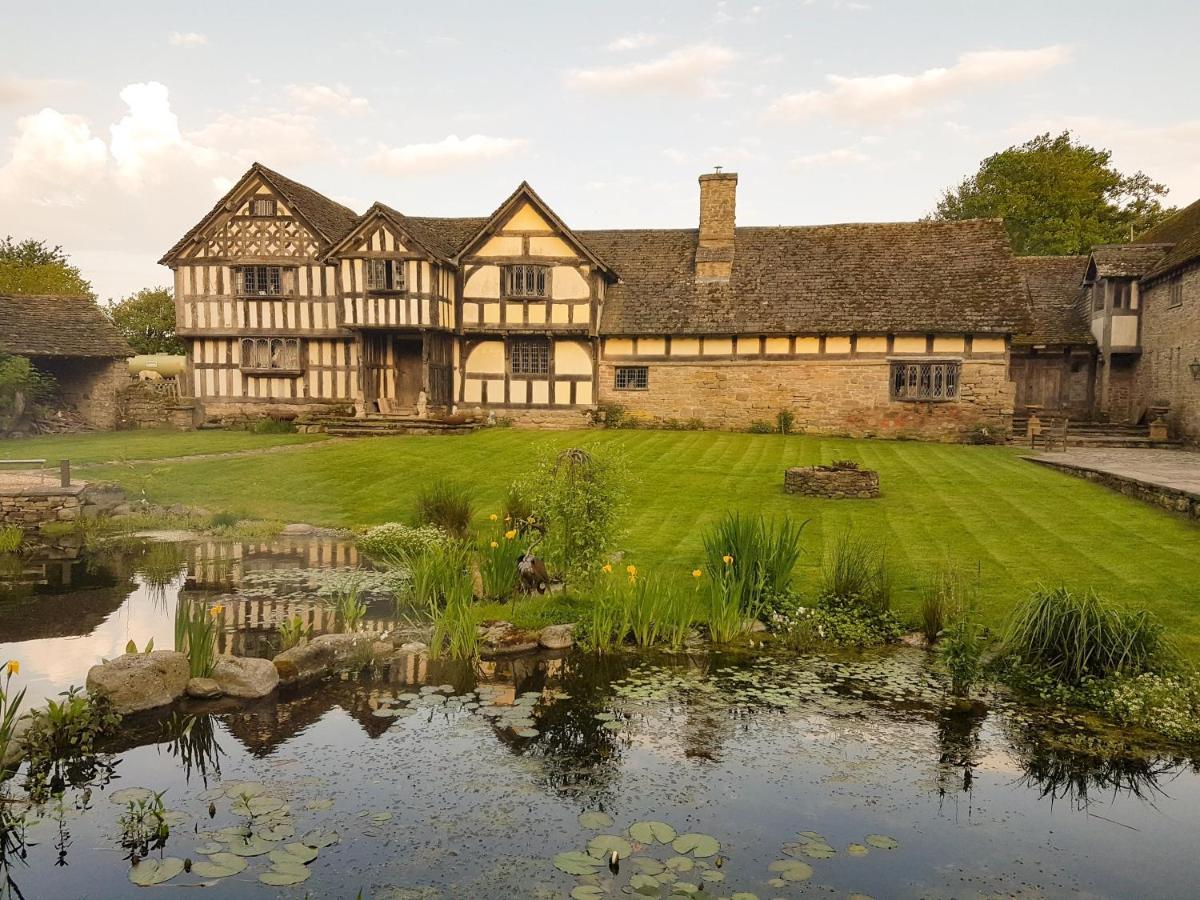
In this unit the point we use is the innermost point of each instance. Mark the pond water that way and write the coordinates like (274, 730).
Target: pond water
(778, 776)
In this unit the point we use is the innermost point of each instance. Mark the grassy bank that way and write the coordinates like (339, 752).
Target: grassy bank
(123, 446)
(1013, 523)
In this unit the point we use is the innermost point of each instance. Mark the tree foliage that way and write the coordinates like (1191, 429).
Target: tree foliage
(34, 267)
(22, 387)
(1057, 196)
(147, 321)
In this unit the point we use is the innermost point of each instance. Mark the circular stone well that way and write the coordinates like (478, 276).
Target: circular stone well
(832, 482)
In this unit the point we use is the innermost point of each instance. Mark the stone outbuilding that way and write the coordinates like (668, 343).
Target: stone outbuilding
(70, 339)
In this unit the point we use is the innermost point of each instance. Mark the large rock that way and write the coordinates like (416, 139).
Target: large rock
(203, 689)
(557, 637)
(321, 655)
(504, 638)
(246, 677)
(140, 681)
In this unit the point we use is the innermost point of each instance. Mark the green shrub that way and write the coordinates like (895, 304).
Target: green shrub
(22, 388)
(293, 632)
(394, 540)
(1167, 703)
(961, 650)
(612, 415)
(268, 425)
(517, 509)
(693, 425)
(760, 426)
(1072, 637)
(445, 505)
(762, 554)
(856, 574)
(785, 420)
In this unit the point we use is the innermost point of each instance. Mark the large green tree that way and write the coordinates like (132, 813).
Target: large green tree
(1057, 196)
(147, 320)
(34, 267)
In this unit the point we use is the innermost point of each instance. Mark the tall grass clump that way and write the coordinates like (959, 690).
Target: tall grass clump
(11, 538)
(606, 624)
(10, 709)
(945, 597)
(434, 573)
(449, 601)
(1075, 636)
(196, 627)
(446, 505)
(345, 600)
(856, 574)
(761, 553)
(500, 548)
(732, 601)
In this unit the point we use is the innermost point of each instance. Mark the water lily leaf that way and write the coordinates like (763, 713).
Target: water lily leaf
(251, 846)
(302, 852)
(320, 839)
(279, 831)
(613, 726)
(882, 842)
(256, 806)
(208, 849)
(699, 845)
(645, 886)
(648, 865)
(603, 717)
(680, 864)
(819, 851)
(319, 803)
(155, 871)
(857, 850)
(280, 878)
(744, 895)
(131, 795)
(380, 817)
(650, 832)
(232, 833)
(526, 732)
(576, 862)
(684, 888)
(713, 876)
(219, 865)
(603, 845)
(236, 789)
(593, 818)
(174, 817)
(791, 869)
(587, 892)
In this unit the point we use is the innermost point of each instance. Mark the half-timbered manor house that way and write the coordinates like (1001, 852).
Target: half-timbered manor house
(293, 304)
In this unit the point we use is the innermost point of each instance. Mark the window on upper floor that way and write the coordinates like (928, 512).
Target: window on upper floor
(261, 281)
(1122, 293)
(1175, 290)
(529, 356)
(526, 281)
(934, 382)
(280, 355)
(262, 206)
(631, 378)
(385, 274)
(1097, 289)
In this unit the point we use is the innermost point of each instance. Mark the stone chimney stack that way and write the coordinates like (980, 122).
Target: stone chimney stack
(714, 252)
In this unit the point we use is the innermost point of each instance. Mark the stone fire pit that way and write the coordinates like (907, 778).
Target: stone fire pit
(834, 482)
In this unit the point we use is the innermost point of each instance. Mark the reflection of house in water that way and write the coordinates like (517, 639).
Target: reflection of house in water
(50, 594)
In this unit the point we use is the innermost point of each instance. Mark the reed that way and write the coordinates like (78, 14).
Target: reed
(763, 554)
(856, 574)
(945, 598)
(196, 626)
(345, 601)
(446, 505)
(499, 552)
(455, 622)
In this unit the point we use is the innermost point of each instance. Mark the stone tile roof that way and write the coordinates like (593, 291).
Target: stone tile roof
(58, 326)
(1056, 298)
(444, 236)
(331, 219)
(902, 277)
(1182, 232)
(1126, 260)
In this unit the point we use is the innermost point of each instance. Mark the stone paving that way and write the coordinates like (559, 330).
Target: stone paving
(1175, 469)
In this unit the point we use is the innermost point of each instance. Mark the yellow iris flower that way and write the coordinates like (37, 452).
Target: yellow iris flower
(13, 667)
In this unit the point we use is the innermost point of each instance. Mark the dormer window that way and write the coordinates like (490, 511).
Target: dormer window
(262, 206)
(526, 281)
(261, 281)
(385, 274)
(1122, 291)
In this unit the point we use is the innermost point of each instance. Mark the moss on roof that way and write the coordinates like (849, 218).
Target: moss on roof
(40, 325)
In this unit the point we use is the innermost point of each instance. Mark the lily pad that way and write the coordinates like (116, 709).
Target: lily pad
(129, 795)
(593, 818)
(699, 845)
(645, 886)
(648, 865)
(618, 725)
(856, 850)
(320, 839)
(651, 832)
(219, 865)
(256, 806)
(236, 789)
(302, 852)
(526, 732)
(155, 871)
(576, 862)
(882, 842)
(319, 803)
(208, 849)
(587, 892)
(680, 864)
(279, 831)
(791, 869)
(280, 878)
(251, 846)
(604, 845)
(744, 895)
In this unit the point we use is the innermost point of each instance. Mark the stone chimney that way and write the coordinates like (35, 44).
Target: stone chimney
(714, 252)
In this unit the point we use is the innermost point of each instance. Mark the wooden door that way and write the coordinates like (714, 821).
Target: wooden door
(1040, 383)
(408, 372)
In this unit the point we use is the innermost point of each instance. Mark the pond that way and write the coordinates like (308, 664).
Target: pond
(710, 774)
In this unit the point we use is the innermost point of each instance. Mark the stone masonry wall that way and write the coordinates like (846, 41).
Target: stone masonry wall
(139, 405)
(832, 484)
(1170, 342)
(33, 507)
(88, 386)
(849, 397)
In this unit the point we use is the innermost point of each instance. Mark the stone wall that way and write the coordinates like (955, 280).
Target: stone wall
(831, 483)
(848, 396)
(1147, 491)
(88, 386)
(1170, 342)
(559, 419)
(141, 405)
(33, 507)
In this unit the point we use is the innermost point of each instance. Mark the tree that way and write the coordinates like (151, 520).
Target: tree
(34, 267)
(1057, 196)
(147, 320)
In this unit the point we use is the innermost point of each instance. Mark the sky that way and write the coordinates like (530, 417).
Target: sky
(124, 130)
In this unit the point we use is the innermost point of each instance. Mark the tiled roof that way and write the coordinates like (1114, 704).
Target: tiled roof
(1056, 300)
(903, 277)
(1126, 260)
(444, 236)
(1182, 231)
(58, 326)
(331, 220)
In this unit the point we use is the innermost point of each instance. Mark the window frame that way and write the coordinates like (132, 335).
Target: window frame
(921, 383)
(641, 382)
(535, 345)
(288, 363)
(1175, 291)
(394, 276)
(273, 205)
(267, 280)
(508, 278)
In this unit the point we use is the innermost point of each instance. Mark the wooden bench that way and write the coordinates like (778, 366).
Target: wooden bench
(1051, 433)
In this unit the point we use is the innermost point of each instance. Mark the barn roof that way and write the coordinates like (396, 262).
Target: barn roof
(1182, 232)
(1056, 300)
(40, 325)
(1126, 260)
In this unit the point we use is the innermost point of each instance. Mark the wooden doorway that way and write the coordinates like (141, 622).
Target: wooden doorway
(408, 364)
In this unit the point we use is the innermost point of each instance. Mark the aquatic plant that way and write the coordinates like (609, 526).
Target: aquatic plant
(500, 549)
(11, 538)
(946, 595)
(455, 628)
(1167, 703)
(606, 622)
(856, 574)
(159, 566)
(196, 629)
(293, 632)
(1074, 636)
(144, 824)
(193, 741)
(394, 540)
(763, 554)
(578, 495)
(60, 744)
(960, 650)
(10, 709)
(433, 573)
(344, 599)
(446, 505)
(734, 599)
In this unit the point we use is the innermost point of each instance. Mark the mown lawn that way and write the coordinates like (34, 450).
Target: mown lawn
(1013, 523)
(121, 446)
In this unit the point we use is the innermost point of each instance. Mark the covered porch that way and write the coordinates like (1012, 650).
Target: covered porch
(406, 373)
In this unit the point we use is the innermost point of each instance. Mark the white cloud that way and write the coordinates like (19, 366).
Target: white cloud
(448, 153)
(636, 41)
(276, 138)
(840, 156)
(186, 39)
(688, 71)
(885, 97)
(19, 90)
(53, 158)
(148, 132)
(325, 97)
